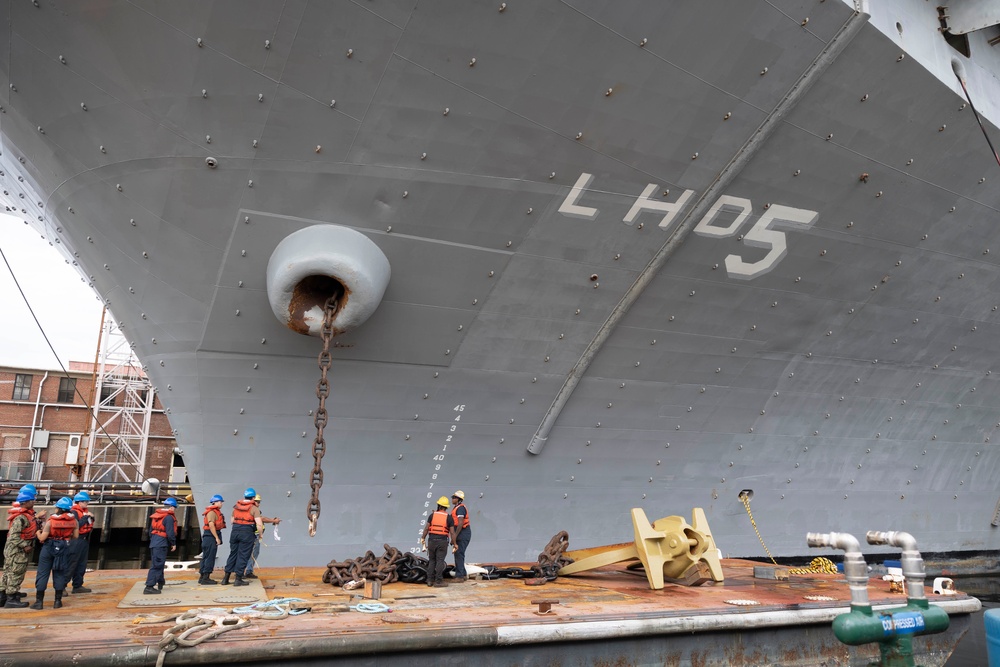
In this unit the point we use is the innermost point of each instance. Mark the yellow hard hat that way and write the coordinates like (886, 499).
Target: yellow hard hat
(442, 501)
(459, 494)
(257, 497)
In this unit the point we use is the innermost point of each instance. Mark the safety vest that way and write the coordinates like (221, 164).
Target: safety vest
(241, 513)
(87, 525)
(439, 523)
(32, 528)
(61, 526)
(454, 516)
(220, 521)
(156, 521)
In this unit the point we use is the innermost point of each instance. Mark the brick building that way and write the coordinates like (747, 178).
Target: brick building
(53, 407)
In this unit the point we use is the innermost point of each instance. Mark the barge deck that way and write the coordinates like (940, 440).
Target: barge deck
(605, 617)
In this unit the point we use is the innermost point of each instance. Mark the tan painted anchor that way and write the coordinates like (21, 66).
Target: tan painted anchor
(668, 548)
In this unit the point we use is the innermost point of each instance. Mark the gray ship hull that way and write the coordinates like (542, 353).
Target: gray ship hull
(678, 250)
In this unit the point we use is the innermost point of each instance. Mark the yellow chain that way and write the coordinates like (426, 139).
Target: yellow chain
(816, 565)
(746, 503)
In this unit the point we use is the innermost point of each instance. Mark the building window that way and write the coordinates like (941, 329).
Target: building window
(67, 390)
(22, 387)
(106, 391)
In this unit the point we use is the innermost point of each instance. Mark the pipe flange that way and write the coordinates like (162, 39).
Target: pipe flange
(321, 261)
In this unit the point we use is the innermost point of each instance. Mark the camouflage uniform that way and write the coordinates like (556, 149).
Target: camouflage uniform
(16, 555)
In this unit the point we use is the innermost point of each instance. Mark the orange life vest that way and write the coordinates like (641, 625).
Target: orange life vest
(438, 523)
(241, 513)
(61, 526)
(29, 532)
(87, 525)
(220, 521)
(156, 521)
(454, 516)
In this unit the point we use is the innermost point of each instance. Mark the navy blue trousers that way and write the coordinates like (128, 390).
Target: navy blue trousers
(209, 550)
(81, 549)
(241, 541)
(253, 555)
(462, 541)
(158, 556)
(55, 559)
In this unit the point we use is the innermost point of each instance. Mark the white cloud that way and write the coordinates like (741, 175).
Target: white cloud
(67, 309)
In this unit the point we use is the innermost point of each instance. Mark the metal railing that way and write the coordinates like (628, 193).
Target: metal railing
(101, 493)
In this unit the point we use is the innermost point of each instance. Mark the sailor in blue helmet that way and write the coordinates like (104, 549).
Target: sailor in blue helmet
(247, 525)
(211, 538)
(81, 545)
(22, 526)
(162, 538)
(57, 533)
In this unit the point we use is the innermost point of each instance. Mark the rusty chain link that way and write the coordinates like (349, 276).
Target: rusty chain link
(325, 360)
(551, 559)
(383, 568)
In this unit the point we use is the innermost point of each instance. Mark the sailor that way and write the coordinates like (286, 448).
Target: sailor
(81, 545)
(256, 543)
(463, 533)
(162, 537)
(55, 559)
(211, 539)
(440, 528)
(246, 524)
(22, 526)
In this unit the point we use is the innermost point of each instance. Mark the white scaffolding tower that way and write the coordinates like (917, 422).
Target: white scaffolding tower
(121, 412)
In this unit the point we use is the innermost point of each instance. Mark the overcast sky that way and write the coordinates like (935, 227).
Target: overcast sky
(68, 310)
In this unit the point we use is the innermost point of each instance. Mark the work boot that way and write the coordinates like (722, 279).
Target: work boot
(250, 575)
(58, 602)
(207, 581)
(14, 603)
(240, 582)
(460, 580)
(150, 590)
(17, 597)
(159, 586)
(81, 589)
(225, 579)
(39, 596)
(441, 584)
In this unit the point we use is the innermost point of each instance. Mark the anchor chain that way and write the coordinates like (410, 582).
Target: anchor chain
(325, 360)
(551, 559)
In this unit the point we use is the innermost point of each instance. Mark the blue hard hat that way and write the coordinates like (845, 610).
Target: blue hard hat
(82, 497)
(64, 503)
(172, 502)
(217, 499)
(249, 493)
(24, 497)
(30, 488)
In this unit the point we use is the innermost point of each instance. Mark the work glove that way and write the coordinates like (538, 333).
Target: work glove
(423, 544)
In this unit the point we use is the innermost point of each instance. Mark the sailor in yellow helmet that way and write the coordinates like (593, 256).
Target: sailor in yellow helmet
(439, 530)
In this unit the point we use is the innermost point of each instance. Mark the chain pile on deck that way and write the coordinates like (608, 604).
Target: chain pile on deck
(383, 568)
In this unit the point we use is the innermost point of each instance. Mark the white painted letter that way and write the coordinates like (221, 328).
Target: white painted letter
(569, 206)
(644, 203)
(728, 203)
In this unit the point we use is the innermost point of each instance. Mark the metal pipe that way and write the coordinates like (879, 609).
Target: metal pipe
(36, 457)
(855, 568)
(913, 562)
(728, 174)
